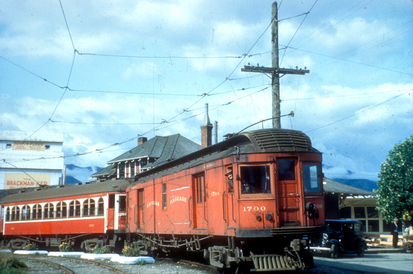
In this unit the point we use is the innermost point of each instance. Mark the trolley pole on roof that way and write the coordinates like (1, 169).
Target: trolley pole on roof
(275, 70)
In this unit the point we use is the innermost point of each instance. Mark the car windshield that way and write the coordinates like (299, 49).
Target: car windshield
(334, 226)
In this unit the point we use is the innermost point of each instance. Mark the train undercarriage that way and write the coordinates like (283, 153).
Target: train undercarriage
(86, 242)
(280, 253)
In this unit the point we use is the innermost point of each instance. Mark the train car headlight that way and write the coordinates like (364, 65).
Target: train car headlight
(310, 206)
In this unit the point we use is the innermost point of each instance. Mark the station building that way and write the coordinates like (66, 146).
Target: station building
(30, 160)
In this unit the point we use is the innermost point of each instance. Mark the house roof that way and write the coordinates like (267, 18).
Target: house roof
(331, 186)
(161, 148)
(107, 171)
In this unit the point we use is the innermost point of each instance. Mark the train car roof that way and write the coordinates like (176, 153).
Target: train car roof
(66, 191)
(257, 141)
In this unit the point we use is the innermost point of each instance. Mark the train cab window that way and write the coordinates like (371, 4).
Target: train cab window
(286, 170)
(255, 179)
(312, 178)
(101, 207)
(26, 212)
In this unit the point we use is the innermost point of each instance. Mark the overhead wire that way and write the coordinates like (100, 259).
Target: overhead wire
(68, 78)
(359, 112)
(305, 17)
(185, 110)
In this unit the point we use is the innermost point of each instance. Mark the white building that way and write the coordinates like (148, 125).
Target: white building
(30, 161)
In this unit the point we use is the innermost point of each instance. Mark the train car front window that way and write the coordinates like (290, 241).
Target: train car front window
(286, 170)
(255, 179)
(312, 182)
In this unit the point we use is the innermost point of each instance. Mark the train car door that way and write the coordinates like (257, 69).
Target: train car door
(288, 192)
(199, 202)
(111, 212)
(139, 213)
(121, 209)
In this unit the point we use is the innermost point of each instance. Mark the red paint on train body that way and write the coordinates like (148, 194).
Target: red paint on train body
(258, 192)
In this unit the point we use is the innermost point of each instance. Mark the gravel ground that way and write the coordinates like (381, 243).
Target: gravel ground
(161, 266)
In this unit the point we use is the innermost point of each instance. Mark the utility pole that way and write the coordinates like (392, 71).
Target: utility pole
(275, 70)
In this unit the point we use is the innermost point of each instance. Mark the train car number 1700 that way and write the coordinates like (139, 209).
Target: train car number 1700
(254, 208)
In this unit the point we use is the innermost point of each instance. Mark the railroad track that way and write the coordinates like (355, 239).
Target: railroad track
(71, 265)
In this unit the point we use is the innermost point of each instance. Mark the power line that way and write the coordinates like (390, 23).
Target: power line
(354, 62)
(306, 14)
(68, 78)
(340, 96)
(161, 57)
(357, 113)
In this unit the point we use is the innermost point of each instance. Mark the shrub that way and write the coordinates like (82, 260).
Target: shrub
(11, 265)
(101, 250)
(129, 251)
(30, 246)
(64, 247)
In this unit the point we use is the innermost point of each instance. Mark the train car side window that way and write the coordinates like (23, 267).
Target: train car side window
(122, 203)
(199, 188)
(92, 207)
(111, 201)
(26, 212)
(86, 211)
(101, 207)
(13, 213)
(37, 212)
(255, 179)
(8, 214)
(61, 210)
(48, 211)
(164, 196)
(286, 170)
(312, 178)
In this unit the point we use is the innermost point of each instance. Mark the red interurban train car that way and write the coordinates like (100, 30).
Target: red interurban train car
(87, 215)
(255, 200)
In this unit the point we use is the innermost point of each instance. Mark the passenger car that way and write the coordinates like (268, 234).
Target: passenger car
(343, 236)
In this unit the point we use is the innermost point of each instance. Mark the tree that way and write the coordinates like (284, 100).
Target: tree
(395, 194)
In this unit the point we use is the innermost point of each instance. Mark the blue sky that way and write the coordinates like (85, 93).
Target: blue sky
(105, 72)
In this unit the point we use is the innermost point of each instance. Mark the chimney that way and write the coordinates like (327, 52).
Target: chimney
(142, 140)
(206, 130)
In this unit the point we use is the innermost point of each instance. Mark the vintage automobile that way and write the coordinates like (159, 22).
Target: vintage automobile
(344, 236)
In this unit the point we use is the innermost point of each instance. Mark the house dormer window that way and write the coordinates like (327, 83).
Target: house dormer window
(121, 168)
(143, 162)
(132, 169)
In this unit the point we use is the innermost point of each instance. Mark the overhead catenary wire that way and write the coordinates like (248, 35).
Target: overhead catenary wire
(185, 110)
(359, 112)
(68, 78)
